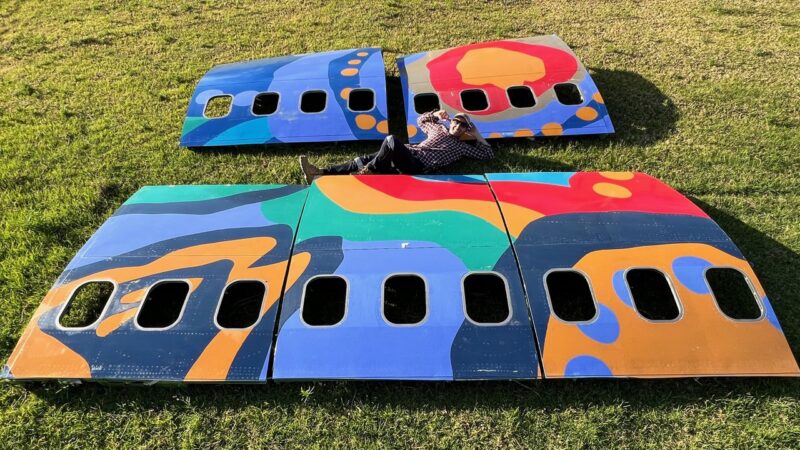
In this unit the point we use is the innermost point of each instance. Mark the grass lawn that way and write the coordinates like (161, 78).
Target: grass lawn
(704, 95)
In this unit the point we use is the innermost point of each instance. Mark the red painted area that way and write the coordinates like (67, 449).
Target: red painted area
(406, 187)
(560, 66)
(648, 195)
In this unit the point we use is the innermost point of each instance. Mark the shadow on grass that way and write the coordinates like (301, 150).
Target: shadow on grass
(765, 254)
(640, 112)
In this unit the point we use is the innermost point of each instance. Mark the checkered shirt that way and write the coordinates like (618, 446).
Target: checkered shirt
(441, 148)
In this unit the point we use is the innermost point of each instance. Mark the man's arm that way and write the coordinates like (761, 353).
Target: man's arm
(481, 149)
(429, 121)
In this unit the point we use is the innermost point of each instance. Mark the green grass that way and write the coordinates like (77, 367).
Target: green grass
(92, 96)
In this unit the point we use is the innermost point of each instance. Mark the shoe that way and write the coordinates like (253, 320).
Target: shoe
(310, 171)
(365, 171)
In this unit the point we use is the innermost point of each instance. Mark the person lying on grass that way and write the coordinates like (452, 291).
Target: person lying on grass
(443, 146)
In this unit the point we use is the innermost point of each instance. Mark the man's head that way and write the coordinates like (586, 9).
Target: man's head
(460, 124)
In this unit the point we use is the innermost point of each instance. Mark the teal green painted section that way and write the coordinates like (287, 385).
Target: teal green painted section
(325, 218)
(191, 123)
(285, 210)
(254, 131)
(193, 193)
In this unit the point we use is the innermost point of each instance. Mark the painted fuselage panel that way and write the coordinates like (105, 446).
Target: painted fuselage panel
(538, 63)
(336, 73)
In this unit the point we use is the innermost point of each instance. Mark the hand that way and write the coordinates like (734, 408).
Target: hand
(441, 114)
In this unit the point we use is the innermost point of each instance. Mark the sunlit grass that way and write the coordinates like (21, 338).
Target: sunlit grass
(92, 96)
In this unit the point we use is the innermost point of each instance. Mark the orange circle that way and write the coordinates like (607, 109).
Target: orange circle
(349, 72)
(621, 176)
(345, 93)
(611, 190)
(598, 98)
(383, 127)
(552, 129)
(412, 130)
(495, 135)
(365, 121)
(587, 113)
(354, 61)
(362, 54)
(523, 132)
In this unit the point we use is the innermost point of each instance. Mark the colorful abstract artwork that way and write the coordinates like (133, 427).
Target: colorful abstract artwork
(300, 98)
(603, 225)
(407, 278)
(439, 228)
(511, 88)
(205, 236)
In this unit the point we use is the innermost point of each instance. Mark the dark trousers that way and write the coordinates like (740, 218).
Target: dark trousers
(393, 157)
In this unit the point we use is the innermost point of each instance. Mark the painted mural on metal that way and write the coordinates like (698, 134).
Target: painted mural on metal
(206, 236)
(266, 98)
(605, 224)
(512, 229)
(365, 229)
(511, 88)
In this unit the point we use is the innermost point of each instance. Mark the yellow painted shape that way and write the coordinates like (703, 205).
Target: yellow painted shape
(133, 296)
(480, 66)
(587, 113)
(523, 132)
(215, 361)
(383, 126)
(702, 342)
(42, 355)
(619, 176)
(552, 129)
(345, 93)
(111, 323)
(365, 121)
(412, 130)
(518, 217)
(354, 62)
(598, 98)
(611, 190)
(349, 72)
(362, 54)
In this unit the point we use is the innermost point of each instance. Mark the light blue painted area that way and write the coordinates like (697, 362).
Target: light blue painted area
(245, 98)
(769, 313)
(586, 366)
(255, 131)
(406, 60)
(291, 125)
(554, 178)
(621, 287)
(472, 179)
(364, 346)
(141, 230)
(689, 270)
(204, 96)
(245, 71)
(605, 329)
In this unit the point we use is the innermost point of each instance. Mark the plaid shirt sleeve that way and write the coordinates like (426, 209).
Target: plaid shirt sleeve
(428, 122)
